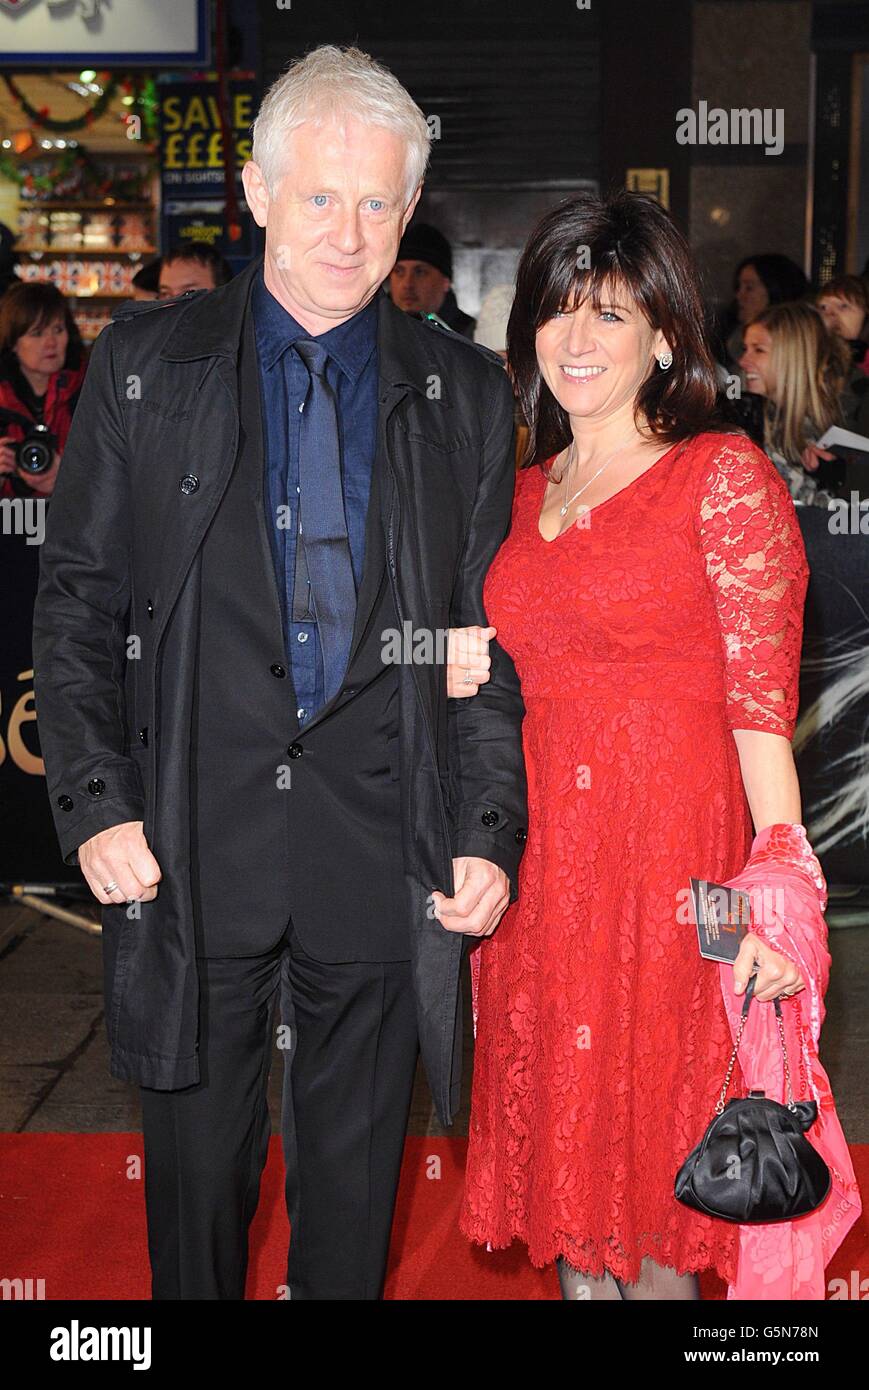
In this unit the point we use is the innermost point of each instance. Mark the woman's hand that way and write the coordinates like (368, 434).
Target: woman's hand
(468, 656)
(776, 975)
(7, 454)
(812, 455)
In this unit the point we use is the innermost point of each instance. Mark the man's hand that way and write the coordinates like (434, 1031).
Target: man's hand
(482, 894)
(468, 656)
(120, 855)
(776, 975)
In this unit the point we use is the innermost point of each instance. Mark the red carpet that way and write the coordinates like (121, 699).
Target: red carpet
(72, 1213)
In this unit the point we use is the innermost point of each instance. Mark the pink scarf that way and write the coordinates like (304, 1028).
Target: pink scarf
(788, 894)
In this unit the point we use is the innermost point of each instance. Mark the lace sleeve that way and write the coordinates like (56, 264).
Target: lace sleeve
(756, 565)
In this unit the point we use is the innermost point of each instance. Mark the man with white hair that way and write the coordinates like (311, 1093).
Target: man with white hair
(264, 487)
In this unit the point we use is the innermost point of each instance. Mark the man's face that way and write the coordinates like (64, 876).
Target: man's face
(336, 218)
(417, 287)
(178, 276)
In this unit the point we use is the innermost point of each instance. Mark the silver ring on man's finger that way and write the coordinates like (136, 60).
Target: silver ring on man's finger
(110, 887)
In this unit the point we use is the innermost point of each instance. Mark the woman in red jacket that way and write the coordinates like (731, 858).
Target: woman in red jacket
(41, 371)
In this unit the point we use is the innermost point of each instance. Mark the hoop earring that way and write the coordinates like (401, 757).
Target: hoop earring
(665, 361)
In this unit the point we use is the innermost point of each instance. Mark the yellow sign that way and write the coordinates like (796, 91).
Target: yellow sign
(654, 181)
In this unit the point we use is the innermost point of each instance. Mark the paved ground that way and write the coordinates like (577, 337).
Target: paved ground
(54, 1072)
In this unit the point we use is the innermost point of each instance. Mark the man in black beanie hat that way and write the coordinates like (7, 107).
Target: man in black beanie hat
(420, 279)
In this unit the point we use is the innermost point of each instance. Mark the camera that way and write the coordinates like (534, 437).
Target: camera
(33, 453)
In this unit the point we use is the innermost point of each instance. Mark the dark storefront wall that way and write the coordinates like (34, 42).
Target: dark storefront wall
(750, 54)
(535, 101)
(840, 31)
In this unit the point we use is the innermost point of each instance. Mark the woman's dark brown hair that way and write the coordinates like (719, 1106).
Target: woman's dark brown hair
(33, 304)
(625, 239)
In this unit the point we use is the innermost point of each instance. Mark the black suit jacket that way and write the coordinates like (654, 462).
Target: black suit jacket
(151, 450)
(288, 823)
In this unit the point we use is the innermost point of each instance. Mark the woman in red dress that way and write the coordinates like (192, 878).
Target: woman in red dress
(650, 593)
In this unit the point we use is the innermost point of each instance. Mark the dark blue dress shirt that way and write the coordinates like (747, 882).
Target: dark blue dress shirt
(352, 375)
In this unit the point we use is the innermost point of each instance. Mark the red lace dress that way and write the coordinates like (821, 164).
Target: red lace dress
(642, 638)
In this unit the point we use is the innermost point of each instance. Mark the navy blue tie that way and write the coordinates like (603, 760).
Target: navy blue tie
(323, 524)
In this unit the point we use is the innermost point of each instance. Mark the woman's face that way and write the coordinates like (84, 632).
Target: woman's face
(43, 349)
(756, 361)
(841, 316)
(594, 361)
(751, 294)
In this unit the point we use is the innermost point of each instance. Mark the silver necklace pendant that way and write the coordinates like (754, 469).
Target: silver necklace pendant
(563, 511)
(604, 465)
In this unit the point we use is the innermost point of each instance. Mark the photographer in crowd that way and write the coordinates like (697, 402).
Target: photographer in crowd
(42, 368)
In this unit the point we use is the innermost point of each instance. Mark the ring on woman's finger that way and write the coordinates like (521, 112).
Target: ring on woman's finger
(467, 677)
(110, 887)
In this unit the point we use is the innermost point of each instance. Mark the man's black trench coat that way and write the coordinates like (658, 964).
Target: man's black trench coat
(148, 458)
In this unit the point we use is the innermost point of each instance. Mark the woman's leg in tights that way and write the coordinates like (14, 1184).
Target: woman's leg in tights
(660, 1282)
(579, 1286)
(656, 1281)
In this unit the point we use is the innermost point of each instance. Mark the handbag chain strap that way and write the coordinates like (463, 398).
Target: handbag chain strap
(719, 1109)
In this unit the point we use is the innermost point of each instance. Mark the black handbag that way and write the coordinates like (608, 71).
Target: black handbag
(754, 1163)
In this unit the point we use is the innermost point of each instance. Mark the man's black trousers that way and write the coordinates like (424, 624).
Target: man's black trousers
(349, 1040)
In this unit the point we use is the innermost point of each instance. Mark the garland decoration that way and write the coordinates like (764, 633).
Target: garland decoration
(74, 174)
(46, 121)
